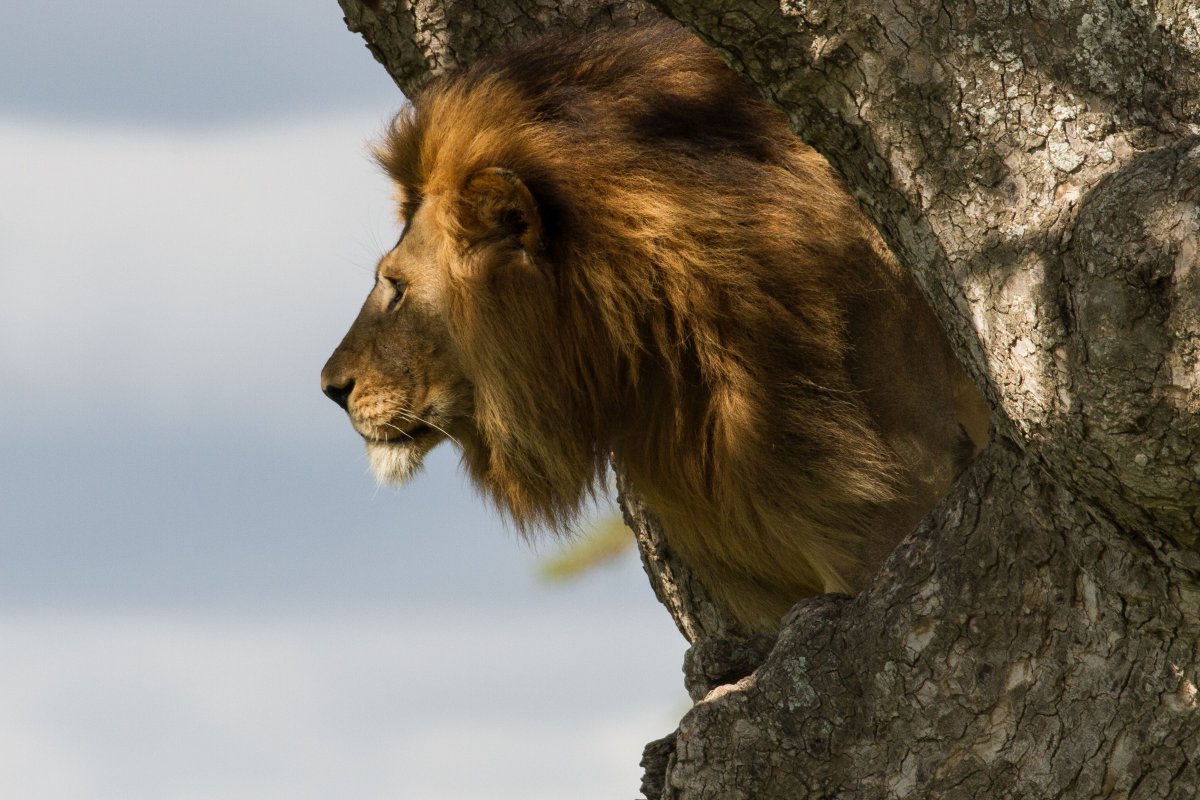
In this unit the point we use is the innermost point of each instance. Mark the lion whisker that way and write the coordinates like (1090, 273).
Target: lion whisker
(396, 428)
(414, 417)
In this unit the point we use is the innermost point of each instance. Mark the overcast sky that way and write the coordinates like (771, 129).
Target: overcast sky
(203, 594)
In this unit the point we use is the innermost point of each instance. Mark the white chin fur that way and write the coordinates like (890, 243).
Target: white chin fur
(394, 463)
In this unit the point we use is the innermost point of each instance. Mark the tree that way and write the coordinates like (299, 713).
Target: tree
(1036, 164)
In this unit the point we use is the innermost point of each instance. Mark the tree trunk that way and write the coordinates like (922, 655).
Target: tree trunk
(1037, 166)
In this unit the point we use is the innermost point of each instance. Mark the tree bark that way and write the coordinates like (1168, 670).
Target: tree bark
(1036, 164)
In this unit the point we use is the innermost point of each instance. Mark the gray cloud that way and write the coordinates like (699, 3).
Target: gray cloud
(185, 63)
(168, 707)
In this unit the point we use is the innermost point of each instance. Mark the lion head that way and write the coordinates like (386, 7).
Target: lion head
(613, 247)
(463, 304)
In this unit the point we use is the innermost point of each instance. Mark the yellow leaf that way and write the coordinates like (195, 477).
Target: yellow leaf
(602, 541)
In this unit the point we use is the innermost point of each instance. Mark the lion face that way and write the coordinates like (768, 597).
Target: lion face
(397, 372)
(402, 372)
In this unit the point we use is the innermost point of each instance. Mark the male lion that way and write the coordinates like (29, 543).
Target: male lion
(612, 246)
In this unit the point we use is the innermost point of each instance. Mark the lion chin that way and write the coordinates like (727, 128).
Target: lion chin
(395, 463)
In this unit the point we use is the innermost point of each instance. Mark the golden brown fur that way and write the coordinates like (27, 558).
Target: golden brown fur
(613, 246)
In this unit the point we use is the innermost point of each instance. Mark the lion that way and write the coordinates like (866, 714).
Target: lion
(612, 247)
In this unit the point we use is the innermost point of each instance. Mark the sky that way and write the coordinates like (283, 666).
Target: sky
(203, 592)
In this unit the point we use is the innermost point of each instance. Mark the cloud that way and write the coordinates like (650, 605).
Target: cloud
(185, 64)
(183, 274)
(146, 706)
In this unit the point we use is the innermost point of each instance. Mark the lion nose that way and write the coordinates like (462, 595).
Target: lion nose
(339, 394)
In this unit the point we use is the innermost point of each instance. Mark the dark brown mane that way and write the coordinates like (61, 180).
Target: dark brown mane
(688, 310)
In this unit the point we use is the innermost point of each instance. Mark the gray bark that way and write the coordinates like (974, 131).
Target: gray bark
(1036, 164)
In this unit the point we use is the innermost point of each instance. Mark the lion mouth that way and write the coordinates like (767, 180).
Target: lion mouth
(413, 435)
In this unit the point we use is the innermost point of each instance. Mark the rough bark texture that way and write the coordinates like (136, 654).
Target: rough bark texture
(1037, 166)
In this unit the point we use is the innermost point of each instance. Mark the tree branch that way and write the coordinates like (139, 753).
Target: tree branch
(416, 40)
(1019, 649)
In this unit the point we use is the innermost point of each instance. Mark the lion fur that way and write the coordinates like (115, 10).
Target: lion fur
(696, 295)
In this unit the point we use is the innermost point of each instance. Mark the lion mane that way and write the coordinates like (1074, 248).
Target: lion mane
(639, 261)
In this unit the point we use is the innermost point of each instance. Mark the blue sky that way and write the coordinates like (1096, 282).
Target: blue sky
(202, 591)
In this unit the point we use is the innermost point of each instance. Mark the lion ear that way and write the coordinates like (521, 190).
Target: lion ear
(495, 205)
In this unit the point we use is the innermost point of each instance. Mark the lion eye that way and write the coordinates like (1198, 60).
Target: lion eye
(398, 288)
